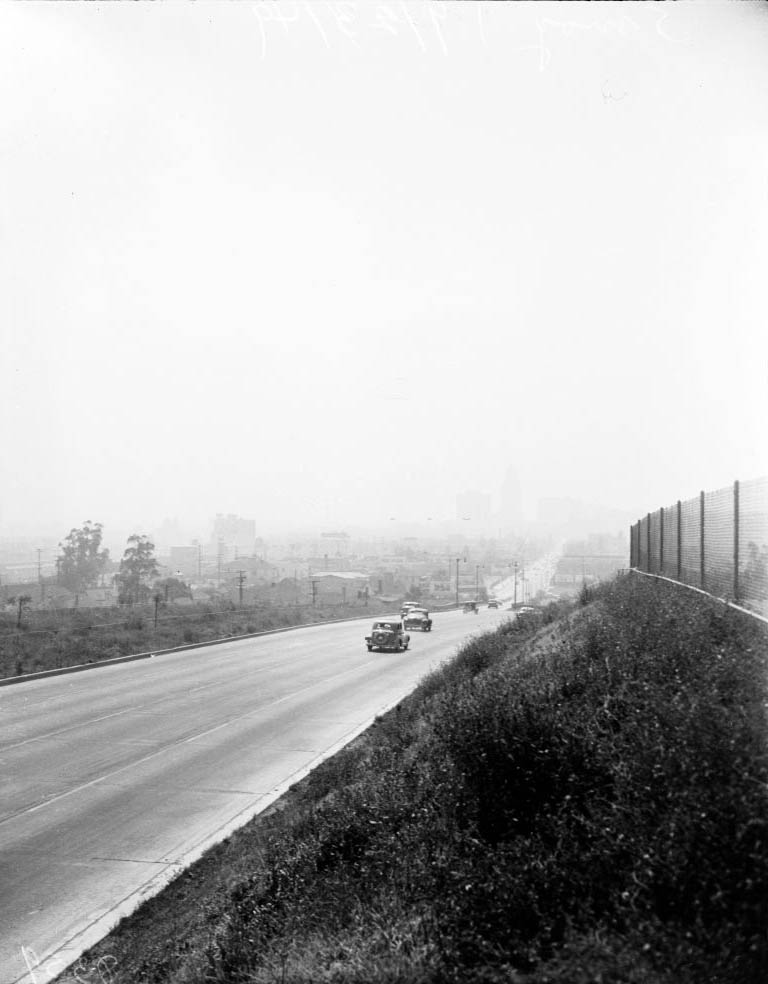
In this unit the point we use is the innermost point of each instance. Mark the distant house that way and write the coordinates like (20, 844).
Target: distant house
(340, 587)
(330, 563)
(255, 569)
(52, 595)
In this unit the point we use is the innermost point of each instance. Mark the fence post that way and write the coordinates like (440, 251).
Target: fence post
(679, 540)
(661, 540)
(648, 565)
(736, 540)
(701, 524)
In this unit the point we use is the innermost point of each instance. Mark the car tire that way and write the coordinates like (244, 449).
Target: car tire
(370, 649)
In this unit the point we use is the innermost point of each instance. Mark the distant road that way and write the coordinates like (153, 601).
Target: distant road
(538, 577)
(115, 778)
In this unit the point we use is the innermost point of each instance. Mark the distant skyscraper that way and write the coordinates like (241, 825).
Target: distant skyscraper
(233, 535)
(511, 511)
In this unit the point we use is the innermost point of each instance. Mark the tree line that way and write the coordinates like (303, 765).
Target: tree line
(83, 563)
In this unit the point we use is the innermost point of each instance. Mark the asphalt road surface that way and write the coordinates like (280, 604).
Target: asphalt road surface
(114, 779)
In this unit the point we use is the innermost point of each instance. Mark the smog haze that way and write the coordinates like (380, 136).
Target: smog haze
(338, 266)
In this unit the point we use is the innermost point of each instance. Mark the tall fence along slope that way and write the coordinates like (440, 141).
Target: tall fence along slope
(717, 542)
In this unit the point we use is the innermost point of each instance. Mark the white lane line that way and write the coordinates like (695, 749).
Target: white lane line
(63, 955)
(26, 811)
(64, 731)
(133, 709)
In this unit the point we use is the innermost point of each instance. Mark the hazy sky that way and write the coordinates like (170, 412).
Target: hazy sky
(342, 267)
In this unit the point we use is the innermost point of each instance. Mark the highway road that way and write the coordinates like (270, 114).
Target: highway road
(533, 577)
(115, 778)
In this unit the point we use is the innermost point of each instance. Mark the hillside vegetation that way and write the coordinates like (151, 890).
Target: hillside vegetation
(575, 798)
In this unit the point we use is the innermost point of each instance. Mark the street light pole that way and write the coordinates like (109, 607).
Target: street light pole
(515, 582)
(457, 582)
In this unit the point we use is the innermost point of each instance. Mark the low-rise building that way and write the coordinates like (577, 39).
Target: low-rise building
(339, 587)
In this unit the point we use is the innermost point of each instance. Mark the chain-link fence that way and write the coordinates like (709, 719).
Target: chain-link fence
(717, 542)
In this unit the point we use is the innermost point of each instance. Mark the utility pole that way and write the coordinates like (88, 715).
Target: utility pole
(241, 580)
(314, 593)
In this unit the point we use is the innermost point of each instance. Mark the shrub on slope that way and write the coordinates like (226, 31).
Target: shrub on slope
(597, 810)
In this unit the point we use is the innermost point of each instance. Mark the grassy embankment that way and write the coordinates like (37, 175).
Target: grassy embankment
(578, 801)
(48, 640)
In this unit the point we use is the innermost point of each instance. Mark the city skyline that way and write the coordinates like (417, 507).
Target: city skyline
(275, 273)
(488, 518)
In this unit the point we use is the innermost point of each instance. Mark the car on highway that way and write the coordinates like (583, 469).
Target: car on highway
(388, 635)
(493, 604)
(418, 618)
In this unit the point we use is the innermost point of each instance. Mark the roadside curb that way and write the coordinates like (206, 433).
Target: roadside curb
(61, 670)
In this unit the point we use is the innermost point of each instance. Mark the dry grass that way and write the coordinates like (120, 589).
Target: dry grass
(72, 637)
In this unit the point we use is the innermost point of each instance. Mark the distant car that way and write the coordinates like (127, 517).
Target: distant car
(388, 635)
(522, 609)
(418, 618)
(493, 604)
(407, 606)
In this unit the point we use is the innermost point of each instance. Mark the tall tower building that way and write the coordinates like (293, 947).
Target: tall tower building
(237, 535)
